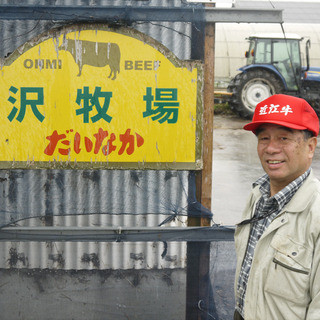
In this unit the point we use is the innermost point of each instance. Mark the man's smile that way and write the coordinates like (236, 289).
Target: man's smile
(274, 161)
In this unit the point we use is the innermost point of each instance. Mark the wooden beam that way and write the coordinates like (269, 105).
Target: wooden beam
(209, 53)
(198, 254)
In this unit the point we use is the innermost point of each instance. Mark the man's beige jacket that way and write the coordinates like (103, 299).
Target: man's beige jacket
(284, 281)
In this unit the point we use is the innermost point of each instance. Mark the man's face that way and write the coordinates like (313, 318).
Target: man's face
(284, 154)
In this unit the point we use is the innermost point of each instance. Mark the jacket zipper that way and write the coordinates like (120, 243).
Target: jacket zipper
(277, 262)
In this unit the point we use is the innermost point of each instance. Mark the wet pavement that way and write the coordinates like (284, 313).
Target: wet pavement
(235, 167)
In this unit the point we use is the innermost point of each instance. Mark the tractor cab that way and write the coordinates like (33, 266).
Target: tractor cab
(278, 53)
(274, 66)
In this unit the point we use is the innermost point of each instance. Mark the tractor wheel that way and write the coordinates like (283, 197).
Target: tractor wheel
(251, 87)
(314, 103)
(316, 106)
(310, 90)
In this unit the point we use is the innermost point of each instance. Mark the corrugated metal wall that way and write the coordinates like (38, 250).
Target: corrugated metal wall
(176, 36)
(90, 280)
(62, 192)
(93, 198)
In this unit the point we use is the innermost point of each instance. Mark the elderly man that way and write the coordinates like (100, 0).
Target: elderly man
(278, 240)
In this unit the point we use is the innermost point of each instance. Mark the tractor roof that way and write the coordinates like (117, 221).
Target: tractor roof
(291, 36)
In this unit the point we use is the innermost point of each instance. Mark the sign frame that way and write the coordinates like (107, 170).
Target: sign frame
(56, 163)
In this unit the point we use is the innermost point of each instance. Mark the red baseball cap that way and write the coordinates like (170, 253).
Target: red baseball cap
(287, 111)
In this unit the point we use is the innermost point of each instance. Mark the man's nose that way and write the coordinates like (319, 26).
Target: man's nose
(273, 146)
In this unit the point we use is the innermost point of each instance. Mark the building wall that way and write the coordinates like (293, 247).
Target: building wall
(93, 280)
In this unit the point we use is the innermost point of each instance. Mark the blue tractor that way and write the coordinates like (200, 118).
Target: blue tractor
(274, 66)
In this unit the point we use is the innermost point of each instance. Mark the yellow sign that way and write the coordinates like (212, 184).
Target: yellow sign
(99, 98)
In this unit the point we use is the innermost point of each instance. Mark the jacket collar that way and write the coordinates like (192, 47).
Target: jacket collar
(302, 197)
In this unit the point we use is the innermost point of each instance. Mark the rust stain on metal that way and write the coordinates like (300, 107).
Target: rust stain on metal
(16, 257)
(137, 256)
(57, 258)
(91, 258)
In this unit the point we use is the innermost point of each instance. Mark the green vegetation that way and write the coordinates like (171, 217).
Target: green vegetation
(222, 108)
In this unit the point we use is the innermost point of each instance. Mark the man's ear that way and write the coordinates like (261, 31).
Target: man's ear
(312, 143)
